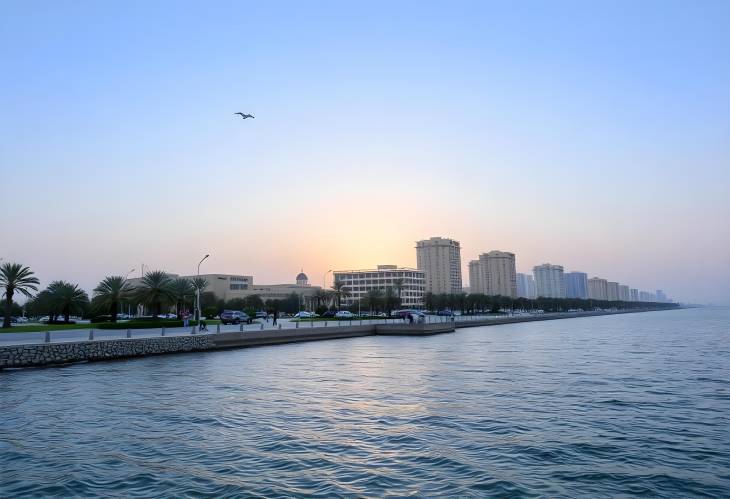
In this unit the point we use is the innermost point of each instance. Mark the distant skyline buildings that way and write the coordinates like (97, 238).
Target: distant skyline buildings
(611, 291)
(549, 280)
(597, 288)
(576, 285)
(526, 286)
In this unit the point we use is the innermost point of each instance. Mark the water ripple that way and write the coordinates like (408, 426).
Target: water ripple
(595, 407)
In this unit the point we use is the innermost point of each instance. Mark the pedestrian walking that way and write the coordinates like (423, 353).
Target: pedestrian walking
(276, 316)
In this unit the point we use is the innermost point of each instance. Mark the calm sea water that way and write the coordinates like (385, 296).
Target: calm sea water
(627, 405)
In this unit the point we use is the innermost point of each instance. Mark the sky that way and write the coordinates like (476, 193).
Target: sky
(595, 135)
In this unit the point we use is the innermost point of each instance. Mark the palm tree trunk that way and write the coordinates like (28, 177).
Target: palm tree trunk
(114, 311)
(8, 309)
(66, 315)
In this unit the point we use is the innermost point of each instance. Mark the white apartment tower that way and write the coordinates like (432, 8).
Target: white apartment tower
(597, 288)
(549, 280)
(612, 291)
(440, 261)
(526, 286)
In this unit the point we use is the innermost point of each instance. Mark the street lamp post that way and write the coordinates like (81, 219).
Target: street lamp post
(324, 282)
(324, 279)
(129, 306)
(197, 292)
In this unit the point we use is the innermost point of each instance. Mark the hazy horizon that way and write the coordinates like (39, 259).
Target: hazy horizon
(594, 136)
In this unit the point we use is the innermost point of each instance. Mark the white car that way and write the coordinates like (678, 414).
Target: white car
(304, 315)
(167, 316)
(344, 314)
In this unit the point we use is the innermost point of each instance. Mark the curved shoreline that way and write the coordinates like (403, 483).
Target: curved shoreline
(49, 354)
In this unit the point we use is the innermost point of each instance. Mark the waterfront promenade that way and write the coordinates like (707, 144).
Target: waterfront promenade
(85, 345)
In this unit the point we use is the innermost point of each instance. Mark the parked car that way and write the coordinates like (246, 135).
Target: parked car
(234, 317)
(262, 315)
(20, 320)
(330, 313)
(167, 316)
(344, 314)
(303, 315)
(404, 312)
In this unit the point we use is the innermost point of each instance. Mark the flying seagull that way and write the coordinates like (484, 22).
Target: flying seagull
(244, 116)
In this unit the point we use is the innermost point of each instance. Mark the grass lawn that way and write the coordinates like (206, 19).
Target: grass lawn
(34, 328)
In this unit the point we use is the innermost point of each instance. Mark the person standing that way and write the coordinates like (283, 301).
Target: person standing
(276, 316)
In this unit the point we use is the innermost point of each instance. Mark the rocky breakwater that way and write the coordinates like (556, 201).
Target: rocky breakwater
(61, 353)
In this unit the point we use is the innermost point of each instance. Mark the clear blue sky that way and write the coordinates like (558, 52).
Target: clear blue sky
(595, 135)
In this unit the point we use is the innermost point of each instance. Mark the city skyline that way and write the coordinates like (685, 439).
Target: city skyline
(595, 137)
(493, 273)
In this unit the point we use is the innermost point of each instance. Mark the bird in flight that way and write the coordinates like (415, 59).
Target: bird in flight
(244, 116)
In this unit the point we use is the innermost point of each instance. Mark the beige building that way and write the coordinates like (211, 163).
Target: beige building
(359, 282)
(597, 288)
(495, 273)
(623, 293)
(440, 261)
(228, 286)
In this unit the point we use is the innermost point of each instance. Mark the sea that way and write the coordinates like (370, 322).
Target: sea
(612, 406)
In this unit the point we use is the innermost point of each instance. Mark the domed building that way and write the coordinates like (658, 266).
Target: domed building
(302, 279)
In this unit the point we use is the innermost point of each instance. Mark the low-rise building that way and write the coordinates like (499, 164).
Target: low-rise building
(228, 286)
(358, 282)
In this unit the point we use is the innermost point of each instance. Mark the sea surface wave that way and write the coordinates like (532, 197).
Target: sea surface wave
(635, 404)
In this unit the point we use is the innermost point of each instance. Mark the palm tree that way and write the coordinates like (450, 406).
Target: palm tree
(68, 298)
(320, 297)
(43, 303)
(182, 289)
(373, 298)
(199, 283)
(111, 292)
(398, 286)
(155, 288)
(340, 291)
(14, 277)
(391, 300)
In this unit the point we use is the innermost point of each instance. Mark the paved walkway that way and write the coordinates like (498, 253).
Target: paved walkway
(70, 335)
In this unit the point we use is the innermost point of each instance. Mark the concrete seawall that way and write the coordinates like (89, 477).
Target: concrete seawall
(42, 354)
